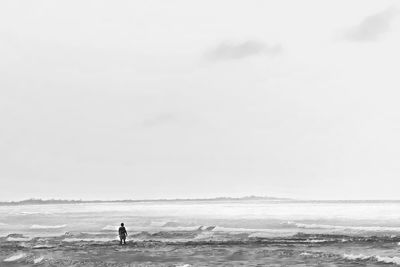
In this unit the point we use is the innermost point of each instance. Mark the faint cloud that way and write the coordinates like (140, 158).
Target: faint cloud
(234, 51)
(372, 27)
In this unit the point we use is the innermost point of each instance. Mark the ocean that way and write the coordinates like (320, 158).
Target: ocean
(248, 232)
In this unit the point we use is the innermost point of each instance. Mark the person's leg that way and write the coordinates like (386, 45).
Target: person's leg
(120, 240)
(124, 240)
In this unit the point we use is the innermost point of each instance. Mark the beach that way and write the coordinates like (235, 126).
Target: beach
(202, 233)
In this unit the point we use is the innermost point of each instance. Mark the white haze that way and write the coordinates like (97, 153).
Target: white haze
(172, 99)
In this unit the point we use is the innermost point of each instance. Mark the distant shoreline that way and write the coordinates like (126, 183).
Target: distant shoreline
(34, 201)
(217, 199)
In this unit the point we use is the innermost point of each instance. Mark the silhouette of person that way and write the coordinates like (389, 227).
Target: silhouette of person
(122, 234)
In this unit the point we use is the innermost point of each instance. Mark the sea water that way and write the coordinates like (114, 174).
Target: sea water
(202, 233)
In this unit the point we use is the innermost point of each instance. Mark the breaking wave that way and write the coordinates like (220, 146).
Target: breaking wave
(340, 227)
(38, 260)
(18, 239)
(15, 257)
(38, 226)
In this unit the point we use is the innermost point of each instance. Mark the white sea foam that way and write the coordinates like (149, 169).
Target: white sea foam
(110, 228)
(16, 239)
(356, 257)
(15, 257)
(316, 240)
(187, 227)
(341, 227)
(38, 226)
(395, 260)
(38, 260)
(261, 233)
(305, 254)
(179, 228)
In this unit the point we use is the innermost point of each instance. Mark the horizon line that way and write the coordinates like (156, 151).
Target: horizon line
(251, 197)
(141, 200)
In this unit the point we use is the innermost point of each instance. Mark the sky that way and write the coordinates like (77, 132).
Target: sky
(188, 99)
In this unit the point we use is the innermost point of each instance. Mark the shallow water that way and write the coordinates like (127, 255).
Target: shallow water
(203, 233)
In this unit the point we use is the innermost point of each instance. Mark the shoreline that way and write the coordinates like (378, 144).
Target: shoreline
(189, 200)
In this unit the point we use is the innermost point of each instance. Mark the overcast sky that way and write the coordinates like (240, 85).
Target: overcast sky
(170, 99)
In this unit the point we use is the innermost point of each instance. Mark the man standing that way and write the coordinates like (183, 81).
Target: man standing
(122, 234)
